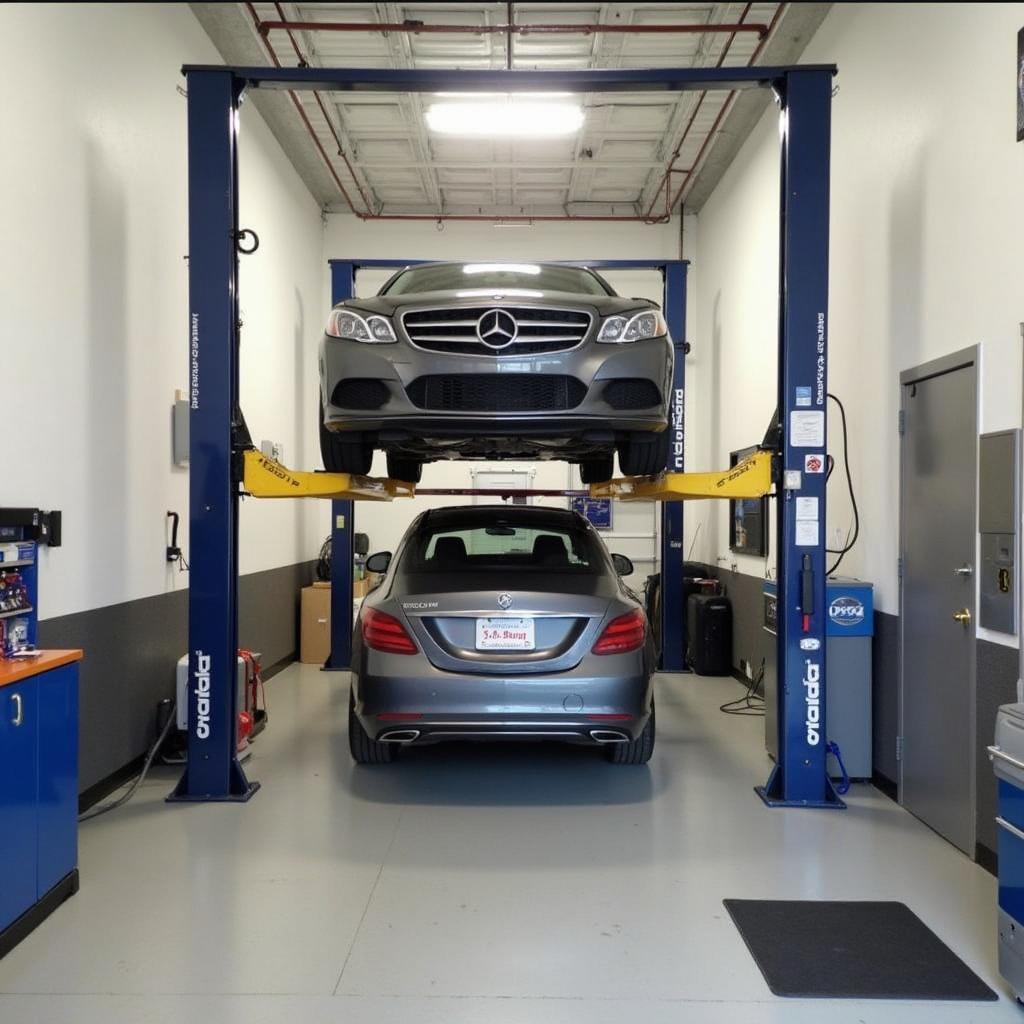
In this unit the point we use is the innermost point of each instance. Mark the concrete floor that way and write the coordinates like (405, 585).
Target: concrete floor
(485, 884)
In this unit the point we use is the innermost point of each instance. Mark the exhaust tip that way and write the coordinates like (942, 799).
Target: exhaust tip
(607, 736)
(401, 736)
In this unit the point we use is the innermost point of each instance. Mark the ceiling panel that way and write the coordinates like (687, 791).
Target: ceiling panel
(380, 153)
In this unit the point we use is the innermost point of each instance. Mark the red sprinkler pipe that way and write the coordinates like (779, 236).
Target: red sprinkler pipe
(726, 106)
(424, 28)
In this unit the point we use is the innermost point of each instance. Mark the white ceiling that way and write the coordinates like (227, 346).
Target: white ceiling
(392, 164)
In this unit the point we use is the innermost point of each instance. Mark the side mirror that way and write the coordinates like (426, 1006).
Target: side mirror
(378, 562)
(623, 566)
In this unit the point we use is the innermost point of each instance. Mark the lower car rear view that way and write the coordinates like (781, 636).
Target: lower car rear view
(500, 623)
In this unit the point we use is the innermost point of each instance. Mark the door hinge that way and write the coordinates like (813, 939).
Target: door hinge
(899, 568)
(899, 748)
(901, 422)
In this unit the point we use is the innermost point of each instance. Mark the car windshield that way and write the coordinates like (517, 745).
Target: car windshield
(545, 546)
(514, 279)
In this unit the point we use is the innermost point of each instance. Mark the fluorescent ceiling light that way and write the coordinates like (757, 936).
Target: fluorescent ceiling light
(505, 117)
(497, 268)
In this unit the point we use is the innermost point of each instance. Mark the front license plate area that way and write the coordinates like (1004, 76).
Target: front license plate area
(503, 634)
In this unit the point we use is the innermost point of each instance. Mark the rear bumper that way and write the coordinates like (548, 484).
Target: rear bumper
(613, 697)
(563, 729)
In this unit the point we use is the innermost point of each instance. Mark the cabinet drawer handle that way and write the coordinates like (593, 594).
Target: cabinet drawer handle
(1012, 829)
(19, 710)
(995, 752)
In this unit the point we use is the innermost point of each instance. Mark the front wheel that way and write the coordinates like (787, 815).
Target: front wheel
(365, 750)
(346, 452)
(644, 454)
(637, 751)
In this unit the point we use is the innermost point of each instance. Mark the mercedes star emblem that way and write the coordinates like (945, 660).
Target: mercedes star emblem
(505, 601)
(497, 328)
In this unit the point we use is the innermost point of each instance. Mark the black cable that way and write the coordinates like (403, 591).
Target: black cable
(841, 552)
(751, 704)
(95, 812)
(323, 562)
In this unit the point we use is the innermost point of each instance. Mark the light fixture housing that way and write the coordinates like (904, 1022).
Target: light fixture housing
(528, 117)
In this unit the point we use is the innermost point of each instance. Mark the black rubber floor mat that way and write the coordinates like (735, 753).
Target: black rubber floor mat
(851, 950)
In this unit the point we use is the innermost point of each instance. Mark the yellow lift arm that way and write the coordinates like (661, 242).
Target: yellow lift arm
(263, 477)
(751, 478)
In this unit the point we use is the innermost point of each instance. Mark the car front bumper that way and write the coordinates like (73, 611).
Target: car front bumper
(399, 364)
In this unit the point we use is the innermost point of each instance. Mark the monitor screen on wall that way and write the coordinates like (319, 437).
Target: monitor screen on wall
(748, 517)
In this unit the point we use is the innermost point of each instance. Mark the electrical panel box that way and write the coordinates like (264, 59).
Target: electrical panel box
(998, 515)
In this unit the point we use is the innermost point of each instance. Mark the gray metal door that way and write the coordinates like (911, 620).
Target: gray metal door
(937, 599)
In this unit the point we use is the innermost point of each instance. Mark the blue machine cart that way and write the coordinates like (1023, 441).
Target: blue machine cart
(848, 631)
(1007, 756)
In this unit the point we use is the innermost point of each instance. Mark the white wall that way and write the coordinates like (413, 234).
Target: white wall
(926, 215)
(95, 296)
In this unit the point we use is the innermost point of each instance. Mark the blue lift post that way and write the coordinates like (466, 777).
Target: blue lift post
(673, 625)
(213, 771)
(800, 777)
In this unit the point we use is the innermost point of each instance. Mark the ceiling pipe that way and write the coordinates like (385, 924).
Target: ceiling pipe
(424, 28)
(695, 163)
(666, 181)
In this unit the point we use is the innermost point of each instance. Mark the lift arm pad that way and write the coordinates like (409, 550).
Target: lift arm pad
(751, 478)
(264, 477)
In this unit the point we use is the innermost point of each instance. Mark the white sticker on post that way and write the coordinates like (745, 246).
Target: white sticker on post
(791, 480)
(807, 508)
(807, 533)
(806, 429)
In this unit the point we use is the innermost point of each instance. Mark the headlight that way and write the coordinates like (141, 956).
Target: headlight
(648, 324)
(343, 323)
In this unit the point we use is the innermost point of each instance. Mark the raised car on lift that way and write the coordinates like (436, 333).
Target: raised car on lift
(496, 361)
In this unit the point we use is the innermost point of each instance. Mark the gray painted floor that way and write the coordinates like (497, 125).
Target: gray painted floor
(496, 884)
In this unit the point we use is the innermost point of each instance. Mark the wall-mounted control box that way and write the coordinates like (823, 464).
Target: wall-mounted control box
(998, 516)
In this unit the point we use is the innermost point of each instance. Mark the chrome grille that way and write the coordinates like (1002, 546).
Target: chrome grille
(454, 329)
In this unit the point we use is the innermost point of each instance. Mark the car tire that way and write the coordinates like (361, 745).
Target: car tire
(637, 751)
(597, 470)
(401, 467)
(344, 453)
(644, 454)
(364, 750)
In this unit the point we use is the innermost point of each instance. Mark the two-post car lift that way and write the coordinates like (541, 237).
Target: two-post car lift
(219, 468)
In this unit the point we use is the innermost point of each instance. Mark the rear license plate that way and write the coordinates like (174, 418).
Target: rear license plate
(504, 634)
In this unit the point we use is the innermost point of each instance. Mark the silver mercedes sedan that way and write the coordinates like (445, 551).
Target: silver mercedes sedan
(496, 361)
(501, 622)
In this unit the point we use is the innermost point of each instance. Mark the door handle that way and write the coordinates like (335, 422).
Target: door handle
(964, 570)
(19, 710)
(963, 616)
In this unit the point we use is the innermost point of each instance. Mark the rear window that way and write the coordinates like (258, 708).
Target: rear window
(499, 546)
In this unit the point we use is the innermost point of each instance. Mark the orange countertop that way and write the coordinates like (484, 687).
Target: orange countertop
(13, 670)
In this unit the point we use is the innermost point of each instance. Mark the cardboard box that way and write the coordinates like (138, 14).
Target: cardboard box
(315, 620)
(360, 588)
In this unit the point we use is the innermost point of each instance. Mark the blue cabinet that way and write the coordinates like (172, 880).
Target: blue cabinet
(38, 791)
(18, 889)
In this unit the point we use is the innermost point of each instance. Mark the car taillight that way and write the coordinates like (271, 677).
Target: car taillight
(624, 634)
(384, 632)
